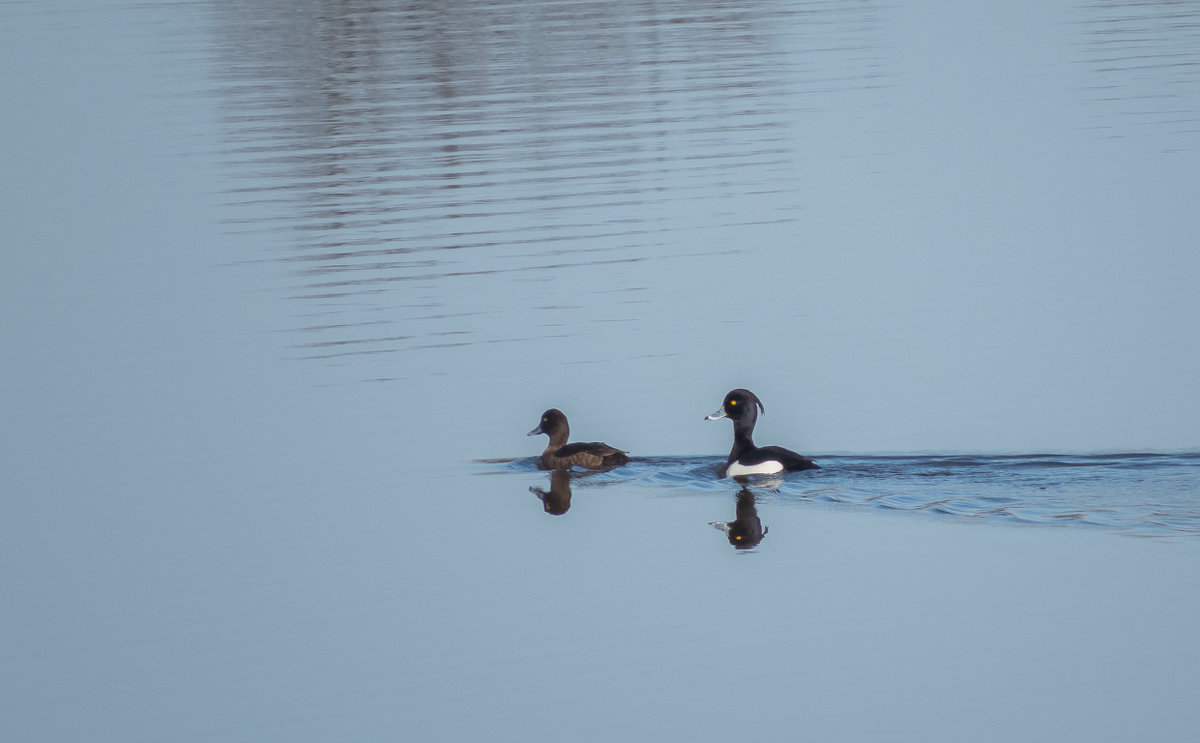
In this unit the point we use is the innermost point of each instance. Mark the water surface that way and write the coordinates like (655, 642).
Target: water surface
(276, 277)
(923, 229)
(1144, 495)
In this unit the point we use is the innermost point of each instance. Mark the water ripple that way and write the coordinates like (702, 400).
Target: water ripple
(1143, 495)
(463, 151)
(1145, 63)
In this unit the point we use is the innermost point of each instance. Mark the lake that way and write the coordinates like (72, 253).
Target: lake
(285, 285)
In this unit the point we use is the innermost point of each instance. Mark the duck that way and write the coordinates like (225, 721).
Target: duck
(745, 458)
(561, 455)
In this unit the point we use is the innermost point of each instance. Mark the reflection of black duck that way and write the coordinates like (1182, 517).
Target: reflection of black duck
(745, 458)
(746, 530)
(557, 500)
(560, 454)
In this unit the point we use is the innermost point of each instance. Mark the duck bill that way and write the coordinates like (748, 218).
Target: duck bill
(716, 416)
(535, 431)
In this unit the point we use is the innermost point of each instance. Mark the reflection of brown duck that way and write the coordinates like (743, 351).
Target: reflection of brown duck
(557, 500)
(559, 454)
(746, 530)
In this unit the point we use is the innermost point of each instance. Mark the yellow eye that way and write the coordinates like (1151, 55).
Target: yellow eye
(733, 402)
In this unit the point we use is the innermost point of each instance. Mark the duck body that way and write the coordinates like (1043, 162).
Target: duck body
(561, 455)
(766, 460)
(742, 407)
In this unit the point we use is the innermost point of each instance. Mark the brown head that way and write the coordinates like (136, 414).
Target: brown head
(554, 425)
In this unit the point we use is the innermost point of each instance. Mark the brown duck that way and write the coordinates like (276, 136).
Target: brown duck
(561, 455)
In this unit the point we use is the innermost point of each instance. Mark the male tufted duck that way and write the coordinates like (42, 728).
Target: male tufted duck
(559, 454)
(745, 458)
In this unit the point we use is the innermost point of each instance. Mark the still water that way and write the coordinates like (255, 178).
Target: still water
(285, 284)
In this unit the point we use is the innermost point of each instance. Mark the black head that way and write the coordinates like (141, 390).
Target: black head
(553, 424)
(739, 405)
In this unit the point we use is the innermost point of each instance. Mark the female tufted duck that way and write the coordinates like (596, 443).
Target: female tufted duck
(560, 455)
(745, 458)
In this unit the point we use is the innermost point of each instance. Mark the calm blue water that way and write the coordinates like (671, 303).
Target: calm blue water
(284, 284)
(1143, 495)
(918, 237)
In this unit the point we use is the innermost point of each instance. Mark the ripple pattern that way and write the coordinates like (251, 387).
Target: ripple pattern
(423, 165)
(1145, 64)
(1143, 495)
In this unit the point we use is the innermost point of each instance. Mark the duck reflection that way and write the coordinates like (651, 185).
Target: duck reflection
(557, 500)
(746, 530)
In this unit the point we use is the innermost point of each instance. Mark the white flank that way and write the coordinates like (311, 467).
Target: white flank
(768, 467)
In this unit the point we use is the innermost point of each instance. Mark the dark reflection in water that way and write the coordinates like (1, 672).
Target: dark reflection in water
(417, 161)
(1144, 59)
(423, 165)
(746, 530)
(1142, 495)
(557, 500)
